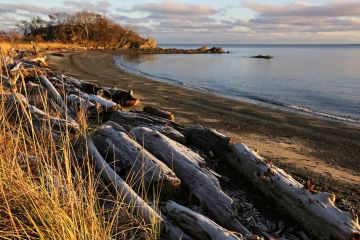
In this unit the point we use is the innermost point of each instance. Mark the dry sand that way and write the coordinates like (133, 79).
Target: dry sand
(328, 152)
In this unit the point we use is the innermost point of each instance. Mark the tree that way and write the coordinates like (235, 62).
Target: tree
(31, 26)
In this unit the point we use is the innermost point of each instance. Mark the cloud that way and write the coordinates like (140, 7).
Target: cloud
(173, 21)
(78, 5)
(174, 8)
(18, 8)
(333, 16)
(330, 9)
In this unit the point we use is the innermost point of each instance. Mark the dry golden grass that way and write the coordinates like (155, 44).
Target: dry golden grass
(48, 193)
(6, 46)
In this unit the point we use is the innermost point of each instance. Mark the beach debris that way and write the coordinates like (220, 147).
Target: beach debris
(196, 224)
(202, 183)
(313, 210)
(131, 158)
(159, 112)
(149, 148)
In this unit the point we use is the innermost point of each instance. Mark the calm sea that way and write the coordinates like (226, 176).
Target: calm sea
(321, 80)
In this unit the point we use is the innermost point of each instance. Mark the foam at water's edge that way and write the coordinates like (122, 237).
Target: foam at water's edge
(120, 62)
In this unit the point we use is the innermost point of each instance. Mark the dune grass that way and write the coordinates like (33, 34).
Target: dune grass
(46, 192)
(7, 46)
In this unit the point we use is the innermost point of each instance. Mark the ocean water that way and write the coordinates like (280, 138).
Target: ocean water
(320, 80)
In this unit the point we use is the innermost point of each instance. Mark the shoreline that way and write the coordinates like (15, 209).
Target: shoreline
(263, 103)
(305, 146)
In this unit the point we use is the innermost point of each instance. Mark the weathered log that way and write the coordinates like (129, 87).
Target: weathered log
(195, 224)
(122, 97)
(107, 105)
(200, 182)
(77, 103)
(173, 232)
(116, 126)
(21, 108)
(128, 119)
(130, 157)
(169, 132)
(133, 119)
(314, 211)
(141, 208)
(209, 140)
(159, 112)
(86, 87)
(59, 100)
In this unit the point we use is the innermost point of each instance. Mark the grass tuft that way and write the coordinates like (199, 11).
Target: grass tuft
(47, 192)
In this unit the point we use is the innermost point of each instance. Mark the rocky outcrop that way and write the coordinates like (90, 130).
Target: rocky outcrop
(149, 43)
(202, 50)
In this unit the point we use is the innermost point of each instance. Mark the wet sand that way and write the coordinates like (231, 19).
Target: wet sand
(326, 151)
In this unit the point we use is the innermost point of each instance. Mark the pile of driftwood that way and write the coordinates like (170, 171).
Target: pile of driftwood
(165, 155)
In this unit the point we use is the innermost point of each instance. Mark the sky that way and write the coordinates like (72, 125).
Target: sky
(212, 21)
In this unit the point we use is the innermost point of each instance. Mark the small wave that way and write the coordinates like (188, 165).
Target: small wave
(121, 64)
(323, 114)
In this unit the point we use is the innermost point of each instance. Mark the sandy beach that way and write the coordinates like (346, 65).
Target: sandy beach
(328, 152)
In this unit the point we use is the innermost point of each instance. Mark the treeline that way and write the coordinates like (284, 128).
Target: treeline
(85, 28)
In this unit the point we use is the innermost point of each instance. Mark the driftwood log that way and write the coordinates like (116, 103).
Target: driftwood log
(38, 119)
(159, 112)
(130, 157)
(200, 182)
(172, 231)
(141, 208)
(107, 105)
(122, 97)
(197, 225)
(130, 120)
(78, 103)
(57, 97)
(314, 211)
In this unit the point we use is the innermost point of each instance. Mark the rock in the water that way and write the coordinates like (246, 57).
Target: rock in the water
(263, 56)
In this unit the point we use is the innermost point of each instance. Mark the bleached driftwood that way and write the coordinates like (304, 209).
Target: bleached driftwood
(174, 232)
(21, 109)
(133, 119)
(170, 132)
(57, 97)
(195, 224)
(127, 155)
(86, 87)
(77, 103)
(130, 120)
(314, 211)
(107, 105)
(200, 182)
(141, 208)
